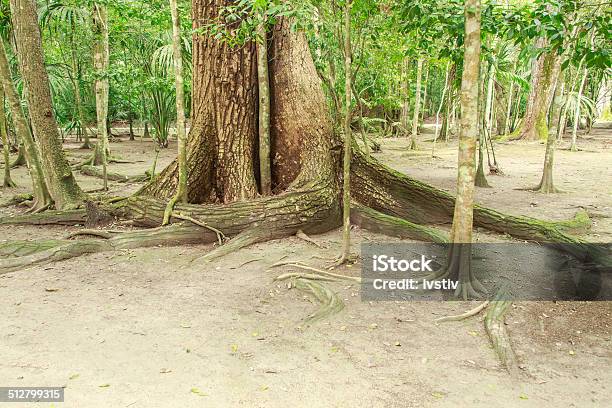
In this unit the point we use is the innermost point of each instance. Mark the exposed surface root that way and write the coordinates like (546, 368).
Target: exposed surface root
(301, 235)
(91, 161)
(496, 329)
(242, 240)
(96, 172)
(317, 271)
(18, 199)
(330, 301)
(311, 276)
(66, 217)
(27, 253)
(376, 221)
(221, 238)
(23, 248)
(459, 268)
(393, 193)
(463, 316)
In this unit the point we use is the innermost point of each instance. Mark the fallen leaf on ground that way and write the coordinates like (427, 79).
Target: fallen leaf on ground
(196, 391)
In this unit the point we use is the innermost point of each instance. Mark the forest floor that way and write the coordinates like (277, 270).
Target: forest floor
(151, 328)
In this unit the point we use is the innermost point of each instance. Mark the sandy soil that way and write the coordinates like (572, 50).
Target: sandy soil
(157, 328)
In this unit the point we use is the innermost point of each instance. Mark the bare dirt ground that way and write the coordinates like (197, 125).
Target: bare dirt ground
(157, 328)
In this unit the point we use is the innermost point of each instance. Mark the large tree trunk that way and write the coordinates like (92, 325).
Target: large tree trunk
(63, 188)
(222, 158)
(221, 143)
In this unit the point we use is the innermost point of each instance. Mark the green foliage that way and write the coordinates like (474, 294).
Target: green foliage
(388, 38)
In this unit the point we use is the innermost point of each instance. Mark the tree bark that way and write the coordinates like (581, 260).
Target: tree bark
(181, 190)
(222, 139)
(535, 125)
(417, 105)
(101, 60)
(583, 79)
(263, 80)
(76, 84)
(7, 182)
(348, 138)
(62, 186)
(27, 149)
(461, 231)
(507, 125)
(405, 113)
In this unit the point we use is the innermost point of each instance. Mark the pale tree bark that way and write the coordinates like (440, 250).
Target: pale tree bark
(563, 118)
(76, 77)
(463, 216)
(181, 190)
(480, 179)
(535, 125)
(425, 87)
(447, 119)
(533, 105)
(444, 91)
(405, 113)
(263, 80)
(8, 182)
(62, 186)
(417, 105)
(346, 165)
(101, 60)
(576, 123)
(509, 106)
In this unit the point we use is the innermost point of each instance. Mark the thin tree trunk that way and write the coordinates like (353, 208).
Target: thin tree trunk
(509, 107)
(76, 77)
(573, 146)
(563, 119)
(405, 98)
(181, 190)
(101, 59)
(417, 105)
(449, 116)
(131, 123)
(362, 131)
(461, 231)
(444, 91)
(263, 80)
(63, 188)
(469, 127)
(489, 101)
(484, 118)
(346, 166)
(425, 87)
(8, 182)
